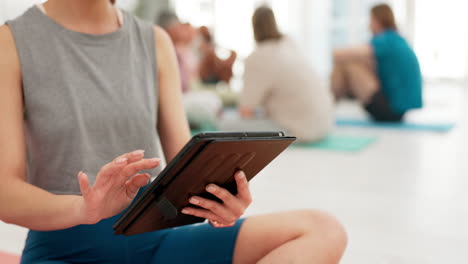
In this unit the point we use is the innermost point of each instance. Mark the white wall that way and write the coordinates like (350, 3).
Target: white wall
(10, 9)
(441, 38)
(438, 29)
(317, 38)
(306, 21)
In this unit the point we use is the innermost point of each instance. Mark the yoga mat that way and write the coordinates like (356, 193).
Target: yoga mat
(340, 143)
(408, 126)
(6, 258)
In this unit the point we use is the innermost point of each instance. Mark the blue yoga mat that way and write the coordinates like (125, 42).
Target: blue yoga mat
(430, 127)
(340, 143)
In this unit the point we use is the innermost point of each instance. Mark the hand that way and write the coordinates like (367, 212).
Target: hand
(222, 214)
(117, 184)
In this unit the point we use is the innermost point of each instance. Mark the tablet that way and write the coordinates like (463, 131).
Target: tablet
(207, 158)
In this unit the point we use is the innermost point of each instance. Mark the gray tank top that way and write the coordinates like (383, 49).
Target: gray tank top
(87, 98)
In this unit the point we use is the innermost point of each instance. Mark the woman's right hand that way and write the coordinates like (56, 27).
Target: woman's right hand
(116, 185)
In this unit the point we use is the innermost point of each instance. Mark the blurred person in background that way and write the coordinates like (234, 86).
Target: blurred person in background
(384, 75)
(279, 81)
(182, 36)
(87, 86)
(202, 107)
(212, 68)
(215, 72)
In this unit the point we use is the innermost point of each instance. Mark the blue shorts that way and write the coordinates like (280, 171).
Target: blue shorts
(199, 243)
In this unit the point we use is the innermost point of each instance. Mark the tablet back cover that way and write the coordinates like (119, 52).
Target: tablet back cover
(216, 163)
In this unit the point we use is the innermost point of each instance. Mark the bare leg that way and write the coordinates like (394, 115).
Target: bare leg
(363, 79)
(293, 237)
(338, 81)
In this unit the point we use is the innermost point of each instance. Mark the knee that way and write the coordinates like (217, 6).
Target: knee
(326, 227)
(338, 57)
(335, 54)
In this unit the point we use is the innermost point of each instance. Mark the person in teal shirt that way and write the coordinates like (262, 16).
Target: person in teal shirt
(385, 75)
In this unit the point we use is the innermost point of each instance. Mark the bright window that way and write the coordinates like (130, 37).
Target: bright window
(441, 38)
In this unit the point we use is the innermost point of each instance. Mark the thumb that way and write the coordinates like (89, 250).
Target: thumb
(135, 183)
(84, 183)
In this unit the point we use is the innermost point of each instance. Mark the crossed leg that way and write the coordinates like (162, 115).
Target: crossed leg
(291, 237)
(356, 77)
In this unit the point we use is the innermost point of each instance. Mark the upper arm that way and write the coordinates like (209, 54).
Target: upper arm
(12, 156)
(172, 122)
(257, 81)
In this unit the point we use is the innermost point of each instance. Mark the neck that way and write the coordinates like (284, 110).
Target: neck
(87, 16)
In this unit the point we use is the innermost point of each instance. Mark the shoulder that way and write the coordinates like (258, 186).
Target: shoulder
(386, 36)
(261, 52)
(10, 68)
(380, 42)
(5, 33)
(267, 51)
(162, 39)
(26, 22)
(378, 38)
(165, 52)
(7, 45)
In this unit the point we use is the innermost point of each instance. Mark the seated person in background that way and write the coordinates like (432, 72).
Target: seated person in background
(182, 36)
(384, 76)
(278, 79)
(202, 107)
(212, 68)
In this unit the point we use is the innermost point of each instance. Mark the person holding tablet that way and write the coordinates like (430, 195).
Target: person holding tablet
(82, 82)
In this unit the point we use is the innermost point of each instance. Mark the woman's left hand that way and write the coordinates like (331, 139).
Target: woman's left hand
(222, 214)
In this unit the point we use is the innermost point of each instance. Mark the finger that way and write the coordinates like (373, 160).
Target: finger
(135, 183)
(243, 190)
(202, 213)
(132, 156)
(85, 188)
(219, 225)
(144, 164)
(235, 206)
(113, 167)
(216, 208)
(135, 156)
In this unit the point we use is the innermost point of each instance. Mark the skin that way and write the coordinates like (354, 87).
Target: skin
(293, 237)
(210, 63)
(375, 26)
(246, 112)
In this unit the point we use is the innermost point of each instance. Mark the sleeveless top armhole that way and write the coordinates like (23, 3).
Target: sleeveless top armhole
(87, 98)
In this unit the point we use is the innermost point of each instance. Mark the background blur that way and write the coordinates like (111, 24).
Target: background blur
(403, 199)
(437, 29)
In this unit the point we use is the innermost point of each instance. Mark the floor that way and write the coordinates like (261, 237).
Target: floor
(402, 200)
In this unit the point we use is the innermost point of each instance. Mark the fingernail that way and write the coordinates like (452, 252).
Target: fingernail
(155, 160)
(211, 188)
(138, 152)
(121, 161)
(194, 200)
(186, 211)
(240, 175)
